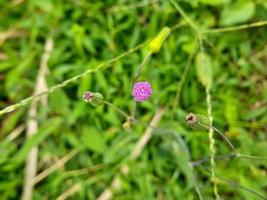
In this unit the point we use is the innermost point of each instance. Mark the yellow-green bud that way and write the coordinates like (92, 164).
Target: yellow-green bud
(128, 123)
(156, 43)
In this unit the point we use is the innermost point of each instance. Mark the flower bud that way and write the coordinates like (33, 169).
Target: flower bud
(196, 121)
(157, 42)
(128, 123)
(94, 98)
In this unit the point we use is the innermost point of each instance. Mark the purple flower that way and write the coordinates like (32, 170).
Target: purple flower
(141, 91)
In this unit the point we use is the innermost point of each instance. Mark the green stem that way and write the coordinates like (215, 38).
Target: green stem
(117, 109)
(235, 185)
(212, 143)
(251, 156)
(140, 67)
(185, 16)
(235, 28)
(222, 135)
(181, 83)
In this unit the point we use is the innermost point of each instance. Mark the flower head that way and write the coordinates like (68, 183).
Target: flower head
(141, 91)
(87, 96)
(94, 98)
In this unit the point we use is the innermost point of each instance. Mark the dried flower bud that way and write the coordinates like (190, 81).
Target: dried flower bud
(142, 91)
(94, 98)
(191, 119)
(197, 121)
(157, 42)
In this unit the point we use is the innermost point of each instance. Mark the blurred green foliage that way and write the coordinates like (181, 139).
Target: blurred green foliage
(85, 33)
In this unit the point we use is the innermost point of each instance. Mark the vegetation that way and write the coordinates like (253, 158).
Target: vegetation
(203, 57)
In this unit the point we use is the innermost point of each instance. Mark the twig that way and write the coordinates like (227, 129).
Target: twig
(16, 2)
(15, 133)
(32, 124)
(142, 142)
(70, 191)
(116, 182)
(82, 171)
(55, 166)
(11, 33)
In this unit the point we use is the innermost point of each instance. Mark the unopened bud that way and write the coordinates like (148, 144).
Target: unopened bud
(94, 98)
(157, 42)
(197, 121)
(128, 123)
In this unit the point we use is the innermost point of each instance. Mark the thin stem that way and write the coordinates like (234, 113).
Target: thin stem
(225, 156)
(226, 139)
(134, 109)
(117, 109)
(235, 28)
(211, 131)
(231, 145)
(206, 159)
(212, 144)
(222, 135)
(184, 15)
(251, 156)
(235, 185)
(178, 25)
(145, 60)
(181, 83)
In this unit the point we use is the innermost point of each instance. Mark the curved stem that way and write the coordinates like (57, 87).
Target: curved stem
(117, 109)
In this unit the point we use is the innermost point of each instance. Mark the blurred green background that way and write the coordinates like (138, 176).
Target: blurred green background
(87, 33)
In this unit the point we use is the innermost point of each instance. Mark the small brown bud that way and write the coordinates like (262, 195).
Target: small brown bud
(191, 119)
(197, 121)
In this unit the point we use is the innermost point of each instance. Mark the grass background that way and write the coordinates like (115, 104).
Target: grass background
(86, 33)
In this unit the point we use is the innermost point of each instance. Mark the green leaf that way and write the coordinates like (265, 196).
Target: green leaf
(238, 12)
(204, 69)
(93, 140)
(214, 2)
(231, 112)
